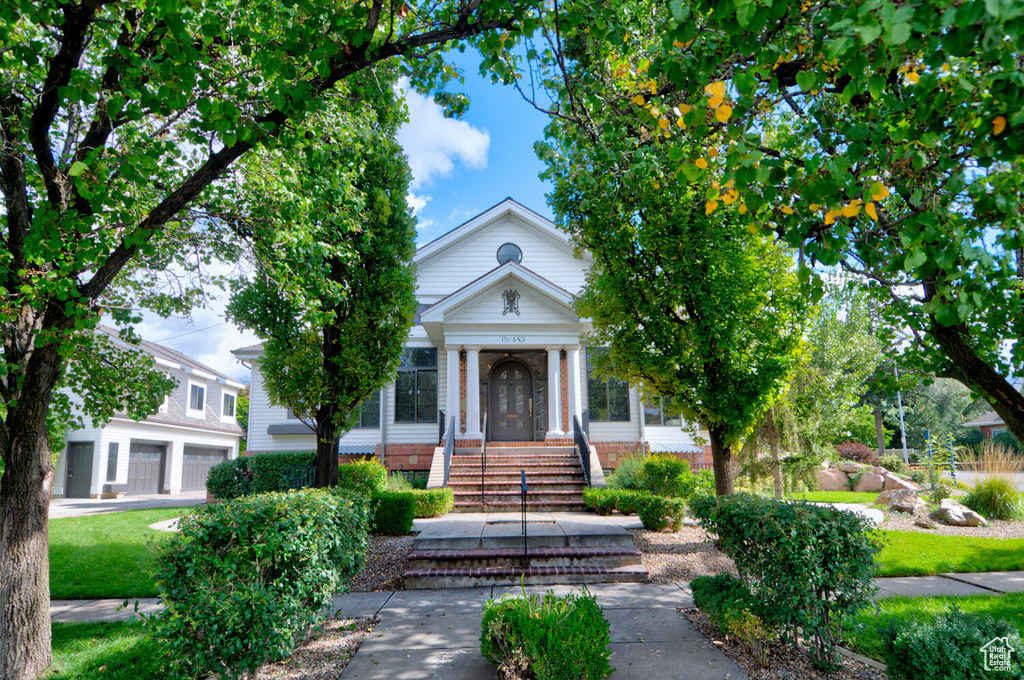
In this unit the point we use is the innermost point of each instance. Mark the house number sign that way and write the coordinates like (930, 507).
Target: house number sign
(513, 339)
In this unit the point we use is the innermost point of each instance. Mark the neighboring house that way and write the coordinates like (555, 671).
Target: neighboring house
(498, 346)
(990, 422)
(170, 451)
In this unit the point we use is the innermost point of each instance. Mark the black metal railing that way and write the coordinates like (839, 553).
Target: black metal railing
(586, 423)
(526, 549)
(299, 476)
(579, 438)
(440, 427)
(483, 463)
(449, 448)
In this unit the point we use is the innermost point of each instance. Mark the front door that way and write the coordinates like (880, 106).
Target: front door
(79, 470)
(511, 407)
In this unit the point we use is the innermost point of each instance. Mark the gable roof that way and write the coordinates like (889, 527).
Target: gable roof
(173, 356)
(506, 208)
(987, 418)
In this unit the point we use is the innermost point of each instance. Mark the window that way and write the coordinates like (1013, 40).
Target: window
(197, 397)
(509, 251)
(289, 415)
(606, 399)
(654, 414)
(229, 405)
(369, 413)
(416, 386)
(112, 462)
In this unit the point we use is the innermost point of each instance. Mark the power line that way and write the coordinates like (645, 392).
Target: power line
(198, 330)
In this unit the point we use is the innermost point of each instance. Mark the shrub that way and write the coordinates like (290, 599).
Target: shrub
(547, 637)
(667, 476)
(919, 476)
(809, 565)
(628, 475)
(858, 452)
(230, 479)
(627, 501)
(364, 476)
(433, 502)
(704, 484)
(729, 604)
(1008, 441)
(243, 580)
(393, 512)
(397, 482)
(894, 463)
(268, 469)
(996, 498)
(601, 501)
(659, 512)
(948, 648)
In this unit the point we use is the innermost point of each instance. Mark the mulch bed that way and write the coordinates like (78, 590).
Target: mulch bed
(386, 560)
(680, 556)
(325, 654)
(784, 662)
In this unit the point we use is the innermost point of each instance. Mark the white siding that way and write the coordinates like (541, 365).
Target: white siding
(534, 307)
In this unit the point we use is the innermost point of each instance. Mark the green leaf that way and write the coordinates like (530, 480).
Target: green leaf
(897, 34)
(77, 168)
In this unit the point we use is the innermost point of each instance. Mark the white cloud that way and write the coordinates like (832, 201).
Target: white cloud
(434, 143)
(418, 202)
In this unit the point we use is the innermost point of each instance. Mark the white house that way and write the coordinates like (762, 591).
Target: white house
(170, 451)
(497, 345)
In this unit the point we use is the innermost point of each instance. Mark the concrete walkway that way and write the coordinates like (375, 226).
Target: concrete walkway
(77, 507)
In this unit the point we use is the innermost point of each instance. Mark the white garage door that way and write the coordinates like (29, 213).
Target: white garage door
(197, 464)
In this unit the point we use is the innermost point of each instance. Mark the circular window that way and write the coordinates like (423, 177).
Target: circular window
(509, 251)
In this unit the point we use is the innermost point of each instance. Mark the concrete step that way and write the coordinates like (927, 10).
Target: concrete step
(416, 579)
(531, 506)
(514, 485)
(530, 450)
(513, 495)
(590, 556)
(531, 467)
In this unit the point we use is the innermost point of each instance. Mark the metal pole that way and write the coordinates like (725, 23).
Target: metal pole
(903, 427)
(952, 459)
(526, 554)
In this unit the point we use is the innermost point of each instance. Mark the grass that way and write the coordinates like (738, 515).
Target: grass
(867, 497)
(113, 651)
(109, 555)
(866, 638)
(912, 553)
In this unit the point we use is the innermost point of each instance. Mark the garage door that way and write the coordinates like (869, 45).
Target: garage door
(198, 461)
(145, 467)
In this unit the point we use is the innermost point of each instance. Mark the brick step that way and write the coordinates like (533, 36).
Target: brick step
(541, 450)
(591, 556)
(513, 478)
(516, 453)
(514, 485)
(514, 498)
(539, 535)
(507, 466)
(531, 506)
(470, 577)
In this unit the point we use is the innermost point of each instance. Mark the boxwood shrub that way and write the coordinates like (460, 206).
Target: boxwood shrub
(393, 512)
(244, 580)
(230, 479)
(809, 565)
(365, 476)
(605, 501)
(949, 648)
(433, 502)
(660, 512)
(547, 637)
(268, 469)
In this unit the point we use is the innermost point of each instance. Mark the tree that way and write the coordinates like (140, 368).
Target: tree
(334, 296)
(940, 406)
(882, 137)
(712, 329)
(119, 122)
(242, 416)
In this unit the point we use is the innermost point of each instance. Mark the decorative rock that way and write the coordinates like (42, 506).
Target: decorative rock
(884, 497)
(851, 467)
(869, 482)
(926, 524)
(894, 482)
(833, 480)
(905, 500)
(957, 515)
(879, 470)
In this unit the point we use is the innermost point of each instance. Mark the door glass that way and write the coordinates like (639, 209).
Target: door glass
(502, 399)
(520, 399)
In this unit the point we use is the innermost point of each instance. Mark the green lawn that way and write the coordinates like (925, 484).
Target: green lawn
(837, 496)
(113, 651)
(913, 553)
(867, 641)
(106, 555)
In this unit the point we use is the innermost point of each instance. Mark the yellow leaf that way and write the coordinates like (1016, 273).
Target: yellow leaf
(716, 101)
(678, 44)
(716, 89)
(680, 123)
(998, 125)
(878, 191)
(701, 163)
(830, 216)
(713, 152)
(730, 197)
(787, 210)
(663, 123)
(723, 113)
(851, 210)
(752, 228)
(638, 100)
(652, 86)
(814, 206)
(743, 208)
(870, 210)
(710, 206)
(912, 77)
(684, 109)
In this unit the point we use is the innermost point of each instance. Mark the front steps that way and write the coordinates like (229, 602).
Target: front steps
(554, 480)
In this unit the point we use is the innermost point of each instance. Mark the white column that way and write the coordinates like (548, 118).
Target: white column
(473, 393)
(555, 393)
(575, 387)
(452, 390)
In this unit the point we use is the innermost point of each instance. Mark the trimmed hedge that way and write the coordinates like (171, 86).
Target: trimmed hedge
(230, 479)
(605, 501)
(547, 638)
(268, 468)
(243, 580)
(433, 502)
(364, 476)
(809, 565)
(393, 512)
(660, 512)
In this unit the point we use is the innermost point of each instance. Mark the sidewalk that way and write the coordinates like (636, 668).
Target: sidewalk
(370, 604)
(77, 507)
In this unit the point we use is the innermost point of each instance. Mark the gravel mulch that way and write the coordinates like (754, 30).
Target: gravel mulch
(325, 654)
(897, 521)
(680, 556)
(386, 561)
(784, 663)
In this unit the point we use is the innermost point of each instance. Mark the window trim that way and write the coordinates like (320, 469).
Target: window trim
(416, 370)
(607, 394)
(234, 405)
(202, 388)
(112, 457)
(359, 421)
(661, 414)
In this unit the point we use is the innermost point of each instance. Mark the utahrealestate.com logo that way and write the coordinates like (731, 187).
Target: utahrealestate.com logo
(997, 654)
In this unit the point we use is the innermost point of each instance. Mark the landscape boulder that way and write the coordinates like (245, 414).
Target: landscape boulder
(869, 481)
(833, 480)
(851, 467)
(894, 482)
(905, 500)
(957, 515)
(879, 470)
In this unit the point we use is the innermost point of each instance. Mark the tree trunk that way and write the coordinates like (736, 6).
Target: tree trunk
(721, 460)
(326, 451)
(879, 433)
(24, 509)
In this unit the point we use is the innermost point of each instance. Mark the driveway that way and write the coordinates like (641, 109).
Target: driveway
(970, 478)
(76, 507)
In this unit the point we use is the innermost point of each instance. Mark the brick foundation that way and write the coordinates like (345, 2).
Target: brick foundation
(406, 456)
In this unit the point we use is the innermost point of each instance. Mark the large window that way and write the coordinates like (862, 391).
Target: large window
(369, 412)
(112, 462)
(606, 399)
(416, 386)
(197, 398)
(654, 414)
(229, 405)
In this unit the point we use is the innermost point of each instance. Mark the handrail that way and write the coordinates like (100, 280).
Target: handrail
(526, 551)
(579, 438)
(449, 448)
(440, 428)
(483, 463)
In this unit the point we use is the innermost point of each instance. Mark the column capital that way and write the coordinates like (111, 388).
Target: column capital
(471, 348)
(553, 348)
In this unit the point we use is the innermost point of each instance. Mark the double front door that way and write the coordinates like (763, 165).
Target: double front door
(511, 403)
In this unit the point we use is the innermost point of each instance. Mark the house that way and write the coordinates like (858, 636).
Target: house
(170, 451)
(497, 351)
(990, 422)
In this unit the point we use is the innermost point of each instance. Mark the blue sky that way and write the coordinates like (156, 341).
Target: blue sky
(460, 168)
